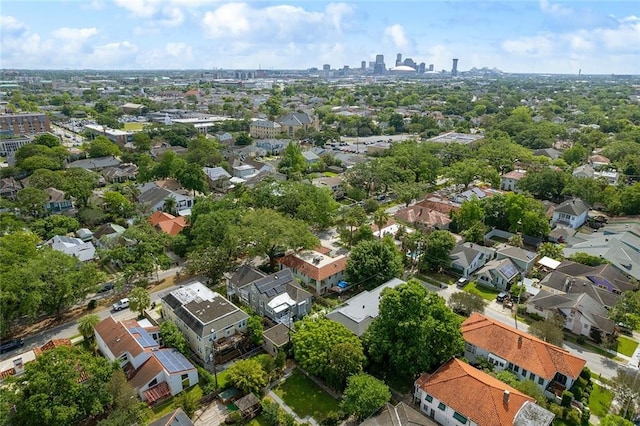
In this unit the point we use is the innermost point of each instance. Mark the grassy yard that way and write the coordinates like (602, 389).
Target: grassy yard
(330, 174)
(165, 407)
(626, 346)
(133, 126)
(588, 346)
(305, 397)
(484, 292)
(600, 400)
(258, 421)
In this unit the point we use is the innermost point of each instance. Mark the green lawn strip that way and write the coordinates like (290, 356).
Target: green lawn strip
(484, 292)
(305, 397)
(165, 407)
(588, 346)
(600, 400)
(258, 421)
(626, 346)
(330, 174)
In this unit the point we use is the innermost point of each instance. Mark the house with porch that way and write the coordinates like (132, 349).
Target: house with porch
(460, 394)
(316, 270)
(466, 258)
(523, 259)
(498, 274)
(571, 213)
(57, 201)
(210, 323)
(155, 373)
(550, 367)
(154, 197)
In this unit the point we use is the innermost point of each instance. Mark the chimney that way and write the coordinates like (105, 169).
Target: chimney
(505, 397)
(519, 342)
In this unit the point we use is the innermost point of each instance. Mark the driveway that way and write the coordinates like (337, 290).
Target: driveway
(211, 415)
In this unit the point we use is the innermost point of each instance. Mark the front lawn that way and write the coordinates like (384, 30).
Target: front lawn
(626, 346)
(600, 400)
(305, 397)
(484, 292)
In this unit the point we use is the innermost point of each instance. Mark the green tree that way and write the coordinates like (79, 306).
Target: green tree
(613, 420)
(292, 163)
(587, 259)
(546, 184)
(54, 225)
(191, 177)
(529, 387)
(47, 139)
(349, 220)
(172, 337)
(244, 139)
(437, 255)
(627, 309)
(64, 385)
(364, 395)
(126, 407)
(554, 251)
(31, 201)
(117, 205)
(413, 332)
(213, 261)
(466, 303)
(313, 344)
(142, 141)
(550, 330)
(79, 183)
(466, 171)
(102, 147)
(248, 376)
(372, 263)
(626, 387)
(87, 325)
(255, 329)
(269, 232)
(140, 300)
(188, 401)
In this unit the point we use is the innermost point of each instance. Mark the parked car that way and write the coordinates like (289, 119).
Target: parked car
(624, 329)
(502, 296)
(121, 304)
(11, 345)
(462, 282)
(106, 287)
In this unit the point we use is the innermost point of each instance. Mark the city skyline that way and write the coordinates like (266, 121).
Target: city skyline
(518, 37)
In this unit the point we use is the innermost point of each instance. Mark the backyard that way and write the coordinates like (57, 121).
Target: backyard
(165, 407)
(305, 397)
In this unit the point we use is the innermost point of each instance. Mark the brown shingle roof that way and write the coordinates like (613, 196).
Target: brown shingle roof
(473, 393)
(146, 372)
(520, 348)
(313, 271)
(117, 337)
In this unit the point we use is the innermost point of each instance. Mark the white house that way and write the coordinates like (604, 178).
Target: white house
(509, 181)
(466, 258)
(83, 251)
(459, 394)
(571, 213)
(317, 271)
(155, 373)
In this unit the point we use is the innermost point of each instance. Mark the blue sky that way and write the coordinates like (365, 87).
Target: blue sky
(545, 36)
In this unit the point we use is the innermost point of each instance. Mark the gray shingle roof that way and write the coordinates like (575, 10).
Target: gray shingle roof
(573, 207)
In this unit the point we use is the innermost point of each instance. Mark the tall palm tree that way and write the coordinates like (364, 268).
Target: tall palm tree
(87, 324)
(380, 219)
(170, 205)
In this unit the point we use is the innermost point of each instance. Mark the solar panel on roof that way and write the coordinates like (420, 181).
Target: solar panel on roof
(509, 270)
(173, 361)
(143, 337)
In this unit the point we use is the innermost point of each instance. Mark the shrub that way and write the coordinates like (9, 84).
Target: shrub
(234, 418)
(573, 417)
(536, 317)
(586, 414)
(581, 340)
(93, 303)
(585, 373)
(566, 399)
(556, 410)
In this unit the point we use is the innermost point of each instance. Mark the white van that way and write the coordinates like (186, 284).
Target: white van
(121, 304)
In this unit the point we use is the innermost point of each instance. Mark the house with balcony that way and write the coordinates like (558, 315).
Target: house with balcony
(317, 271)
(509, 181)
(210, 323)
(154, 197)
(467, 258)
(276, 296)
(571, 213)
(335, 184)
(155, 373)
(460, 394)
(550, 367)
(57, 201)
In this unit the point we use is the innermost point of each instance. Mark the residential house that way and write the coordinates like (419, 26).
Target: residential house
(571, 213)
(524, 259)
(106, 233)
(509, 181)
(153, 372)
(588, 172)
(310, 157)
(9, 188)
(550, 367)
(335, 184)
(244, 171)
(264, 129)
(57, 201)
(451, 396)
(317, 271)
(224, 138)
(498, 274)
(599, 161)
(358, 313)
(217, 178)
(121, 173)
(276, 338)
(95, 164)
(581, 313)
(470, 194)
(272, 146)
(168, 223)
(423, 218)
(210, 323)
(176, 417)
(242, 276)
(83, 251)
(583, 172)
(295, 121)
(277, 297)
(621, 250)
(154, 198)
(551, 153)
(14, 365)
(399, 415)
(467, 258)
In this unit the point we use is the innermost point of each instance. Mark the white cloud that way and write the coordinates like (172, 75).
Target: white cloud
(110, 55)
(537, 45)
(74, 34)
(395, 34)
(173, 56)
(555, 10)
(9, 25)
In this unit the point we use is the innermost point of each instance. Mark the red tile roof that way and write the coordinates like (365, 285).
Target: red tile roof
(312, 271)
(473, 393)
(520, 348)
(168, 223)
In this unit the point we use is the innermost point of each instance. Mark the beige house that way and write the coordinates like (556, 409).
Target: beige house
(264, 129)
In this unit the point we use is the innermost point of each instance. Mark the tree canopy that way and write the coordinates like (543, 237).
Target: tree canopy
(373, 262)
(364, 395)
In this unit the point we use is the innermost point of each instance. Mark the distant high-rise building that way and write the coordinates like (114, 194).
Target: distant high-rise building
(454, 69)
(326, 67)
(421, 68)
(399, 59)
(363, 65)
(431, 67)
(409, 62)
(379, 67)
